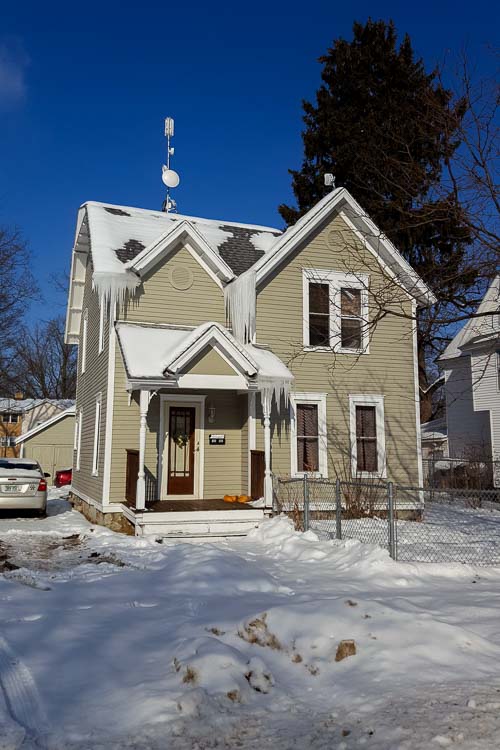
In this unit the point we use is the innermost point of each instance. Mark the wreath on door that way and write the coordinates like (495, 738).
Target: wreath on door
(181, 439)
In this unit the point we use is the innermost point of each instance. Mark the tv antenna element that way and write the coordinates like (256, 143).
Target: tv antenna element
(169, 177)
(329, 180)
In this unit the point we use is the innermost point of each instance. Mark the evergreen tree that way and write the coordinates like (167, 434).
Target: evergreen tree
(386, 128)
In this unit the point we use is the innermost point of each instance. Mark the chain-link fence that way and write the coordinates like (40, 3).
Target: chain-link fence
(461, 473)
(413, 523)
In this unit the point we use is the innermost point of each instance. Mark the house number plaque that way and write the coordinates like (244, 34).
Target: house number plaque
(217, 439)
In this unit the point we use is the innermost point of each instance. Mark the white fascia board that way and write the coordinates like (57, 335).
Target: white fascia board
(74, 307)
(169, 240)
(337, 199)
(70, 412)
(213, 334)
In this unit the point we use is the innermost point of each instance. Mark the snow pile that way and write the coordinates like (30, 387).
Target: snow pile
(277, 639)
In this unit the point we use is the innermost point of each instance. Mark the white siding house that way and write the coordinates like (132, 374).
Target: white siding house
(471, 365)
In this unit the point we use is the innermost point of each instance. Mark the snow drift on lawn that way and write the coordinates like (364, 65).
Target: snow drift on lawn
(147, 644)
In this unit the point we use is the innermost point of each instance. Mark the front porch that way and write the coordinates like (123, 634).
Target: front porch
(193, 519)
(197, 430)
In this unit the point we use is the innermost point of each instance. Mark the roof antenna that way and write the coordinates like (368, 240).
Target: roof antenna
(329, 180)
(170, 178)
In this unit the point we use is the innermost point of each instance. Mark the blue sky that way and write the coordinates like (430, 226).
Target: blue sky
(84, 90)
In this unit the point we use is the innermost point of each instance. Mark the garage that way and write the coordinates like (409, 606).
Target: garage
(51, 442)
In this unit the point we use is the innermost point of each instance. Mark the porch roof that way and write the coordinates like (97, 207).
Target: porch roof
(156, 356)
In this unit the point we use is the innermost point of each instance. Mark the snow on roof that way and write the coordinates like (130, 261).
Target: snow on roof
(18, 406)
(119, 233)
(147, 351)
(434, 430)
(481, 327)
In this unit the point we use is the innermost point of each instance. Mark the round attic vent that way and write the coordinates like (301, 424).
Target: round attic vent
(334, 239)
(181, 278)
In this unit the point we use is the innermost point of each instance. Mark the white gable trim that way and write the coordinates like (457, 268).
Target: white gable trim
(336, 200)
(43, 425)
(219, 340)
(194, 242)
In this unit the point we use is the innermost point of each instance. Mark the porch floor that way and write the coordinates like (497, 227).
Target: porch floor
(186, 506)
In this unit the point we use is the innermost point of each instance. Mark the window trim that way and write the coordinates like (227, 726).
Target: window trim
(102, 324)
(10, 414)
(336, 281)
(85, 325)
(97, 435)
(320, 400)
(7, 441)
(378, 402)
(78, 432)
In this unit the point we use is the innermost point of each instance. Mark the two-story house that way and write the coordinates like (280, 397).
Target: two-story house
(471, 365)
(214, 354)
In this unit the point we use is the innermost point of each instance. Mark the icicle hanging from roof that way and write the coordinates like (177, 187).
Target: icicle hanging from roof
(239, 298)
(113, 287)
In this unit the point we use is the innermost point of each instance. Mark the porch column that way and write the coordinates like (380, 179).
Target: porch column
(268, 480)
(140, 498)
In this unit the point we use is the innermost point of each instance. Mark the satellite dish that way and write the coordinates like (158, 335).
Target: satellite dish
(170, 178)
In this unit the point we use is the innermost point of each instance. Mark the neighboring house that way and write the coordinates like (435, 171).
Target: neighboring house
(471, 364)
(191, 335)
(51, 442)
(19, 415)
(434, 439)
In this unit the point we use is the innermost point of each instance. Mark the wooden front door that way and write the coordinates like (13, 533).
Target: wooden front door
(181, 454)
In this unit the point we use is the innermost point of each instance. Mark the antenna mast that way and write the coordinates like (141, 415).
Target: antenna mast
(169, 177)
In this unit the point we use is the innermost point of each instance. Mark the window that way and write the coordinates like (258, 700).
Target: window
(97, 435)
(84, 340)
(78, 438)
(367, 435)
(10, 418)
(336, 311)
(7, 442)
(498, 370)
(319, 314)
(350, 318)
(102, 324)
(309, 440)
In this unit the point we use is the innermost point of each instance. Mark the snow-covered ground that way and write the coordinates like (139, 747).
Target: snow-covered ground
(108, 641)
(448, 533)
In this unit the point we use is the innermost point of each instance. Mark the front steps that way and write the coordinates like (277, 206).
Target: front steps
(209, 525)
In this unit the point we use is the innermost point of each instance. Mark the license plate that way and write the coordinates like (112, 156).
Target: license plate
(12, 488)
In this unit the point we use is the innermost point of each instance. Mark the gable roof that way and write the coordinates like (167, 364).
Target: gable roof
(341, 201)
(477, 329)
(70, 412)
(19, 406)
(122, 240)
(159, 352)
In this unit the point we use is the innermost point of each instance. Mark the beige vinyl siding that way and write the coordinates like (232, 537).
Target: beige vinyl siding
(388, 369)
(53, 446)
(208, 362)
(90, 383)
(225, 465)
(158, 301)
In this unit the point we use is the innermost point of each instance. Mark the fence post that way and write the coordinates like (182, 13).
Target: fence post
(306, 504)
(391, 520)
(338, 509)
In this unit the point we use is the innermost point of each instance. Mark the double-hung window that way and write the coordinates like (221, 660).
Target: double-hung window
(335, 311)
(367, 436)
(102, 323)
(10, 418)
(309, 438)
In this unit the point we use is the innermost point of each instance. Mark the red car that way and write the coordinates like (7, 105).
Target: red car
(63, 477)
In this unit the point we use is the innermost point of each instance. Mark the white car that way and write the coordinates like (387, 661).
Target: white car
(23, 485)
